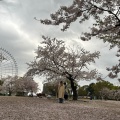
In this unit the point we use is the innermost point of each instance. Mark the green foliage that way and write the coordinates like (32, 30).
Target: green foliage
(94, 89)
(82, 91)
(2, 94)
(49, 89)
(20, 94)
(91, 89)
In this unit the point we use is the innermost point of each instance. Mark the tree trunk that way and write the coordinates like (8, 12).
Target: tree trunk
(74, 90)
(10, 92)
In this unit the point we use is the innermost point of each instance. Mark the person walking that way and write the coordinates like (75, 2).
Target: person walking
(61, 91)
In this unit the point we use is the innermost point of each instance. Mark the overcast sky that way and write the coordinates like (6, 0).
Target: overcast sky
(20, 34)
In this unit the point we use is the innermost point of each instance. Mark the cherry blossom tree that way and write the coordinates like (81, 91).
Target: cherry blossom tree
(117, 94)
(8, 84)
(54, 60)
(115, 70)
(25, 84)
(104, 93)
(18, 85)
(106, 16)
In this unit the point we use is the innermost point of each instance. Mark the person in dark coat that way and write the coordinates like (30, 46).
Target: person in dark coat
(66, 92)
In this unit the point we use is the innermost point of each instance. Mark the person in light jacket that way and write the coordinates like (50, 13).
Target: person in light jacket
(61, 91)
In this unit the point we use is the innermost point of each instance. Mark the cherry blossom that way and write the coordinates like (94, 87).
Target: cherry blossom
(104, 13)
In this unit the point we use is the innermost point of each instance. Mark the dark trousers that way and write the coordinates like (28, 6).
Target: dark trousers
(60, 100)
(66, 97)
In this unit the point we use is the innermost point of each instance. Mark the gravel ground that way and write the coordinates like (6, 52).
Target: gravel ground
(26, 108)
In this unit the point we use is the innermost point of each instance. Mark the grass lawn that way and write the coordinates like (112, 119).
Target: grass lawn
(28, 108)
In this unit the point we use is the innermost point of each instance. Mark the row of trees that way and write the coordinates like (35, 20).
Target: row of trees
(18, 85)
(100, 90)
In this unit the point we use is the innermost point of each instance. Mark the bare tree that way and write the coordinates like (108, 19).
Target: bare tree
(105, 13)
(55, 60)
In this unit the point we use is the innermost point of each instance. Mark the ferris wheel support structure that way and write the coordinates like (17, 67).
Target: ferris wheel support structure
(8, 65)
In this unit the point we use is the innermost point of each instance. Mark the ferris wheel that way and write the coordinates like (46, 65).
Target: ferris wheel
(8, 65)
